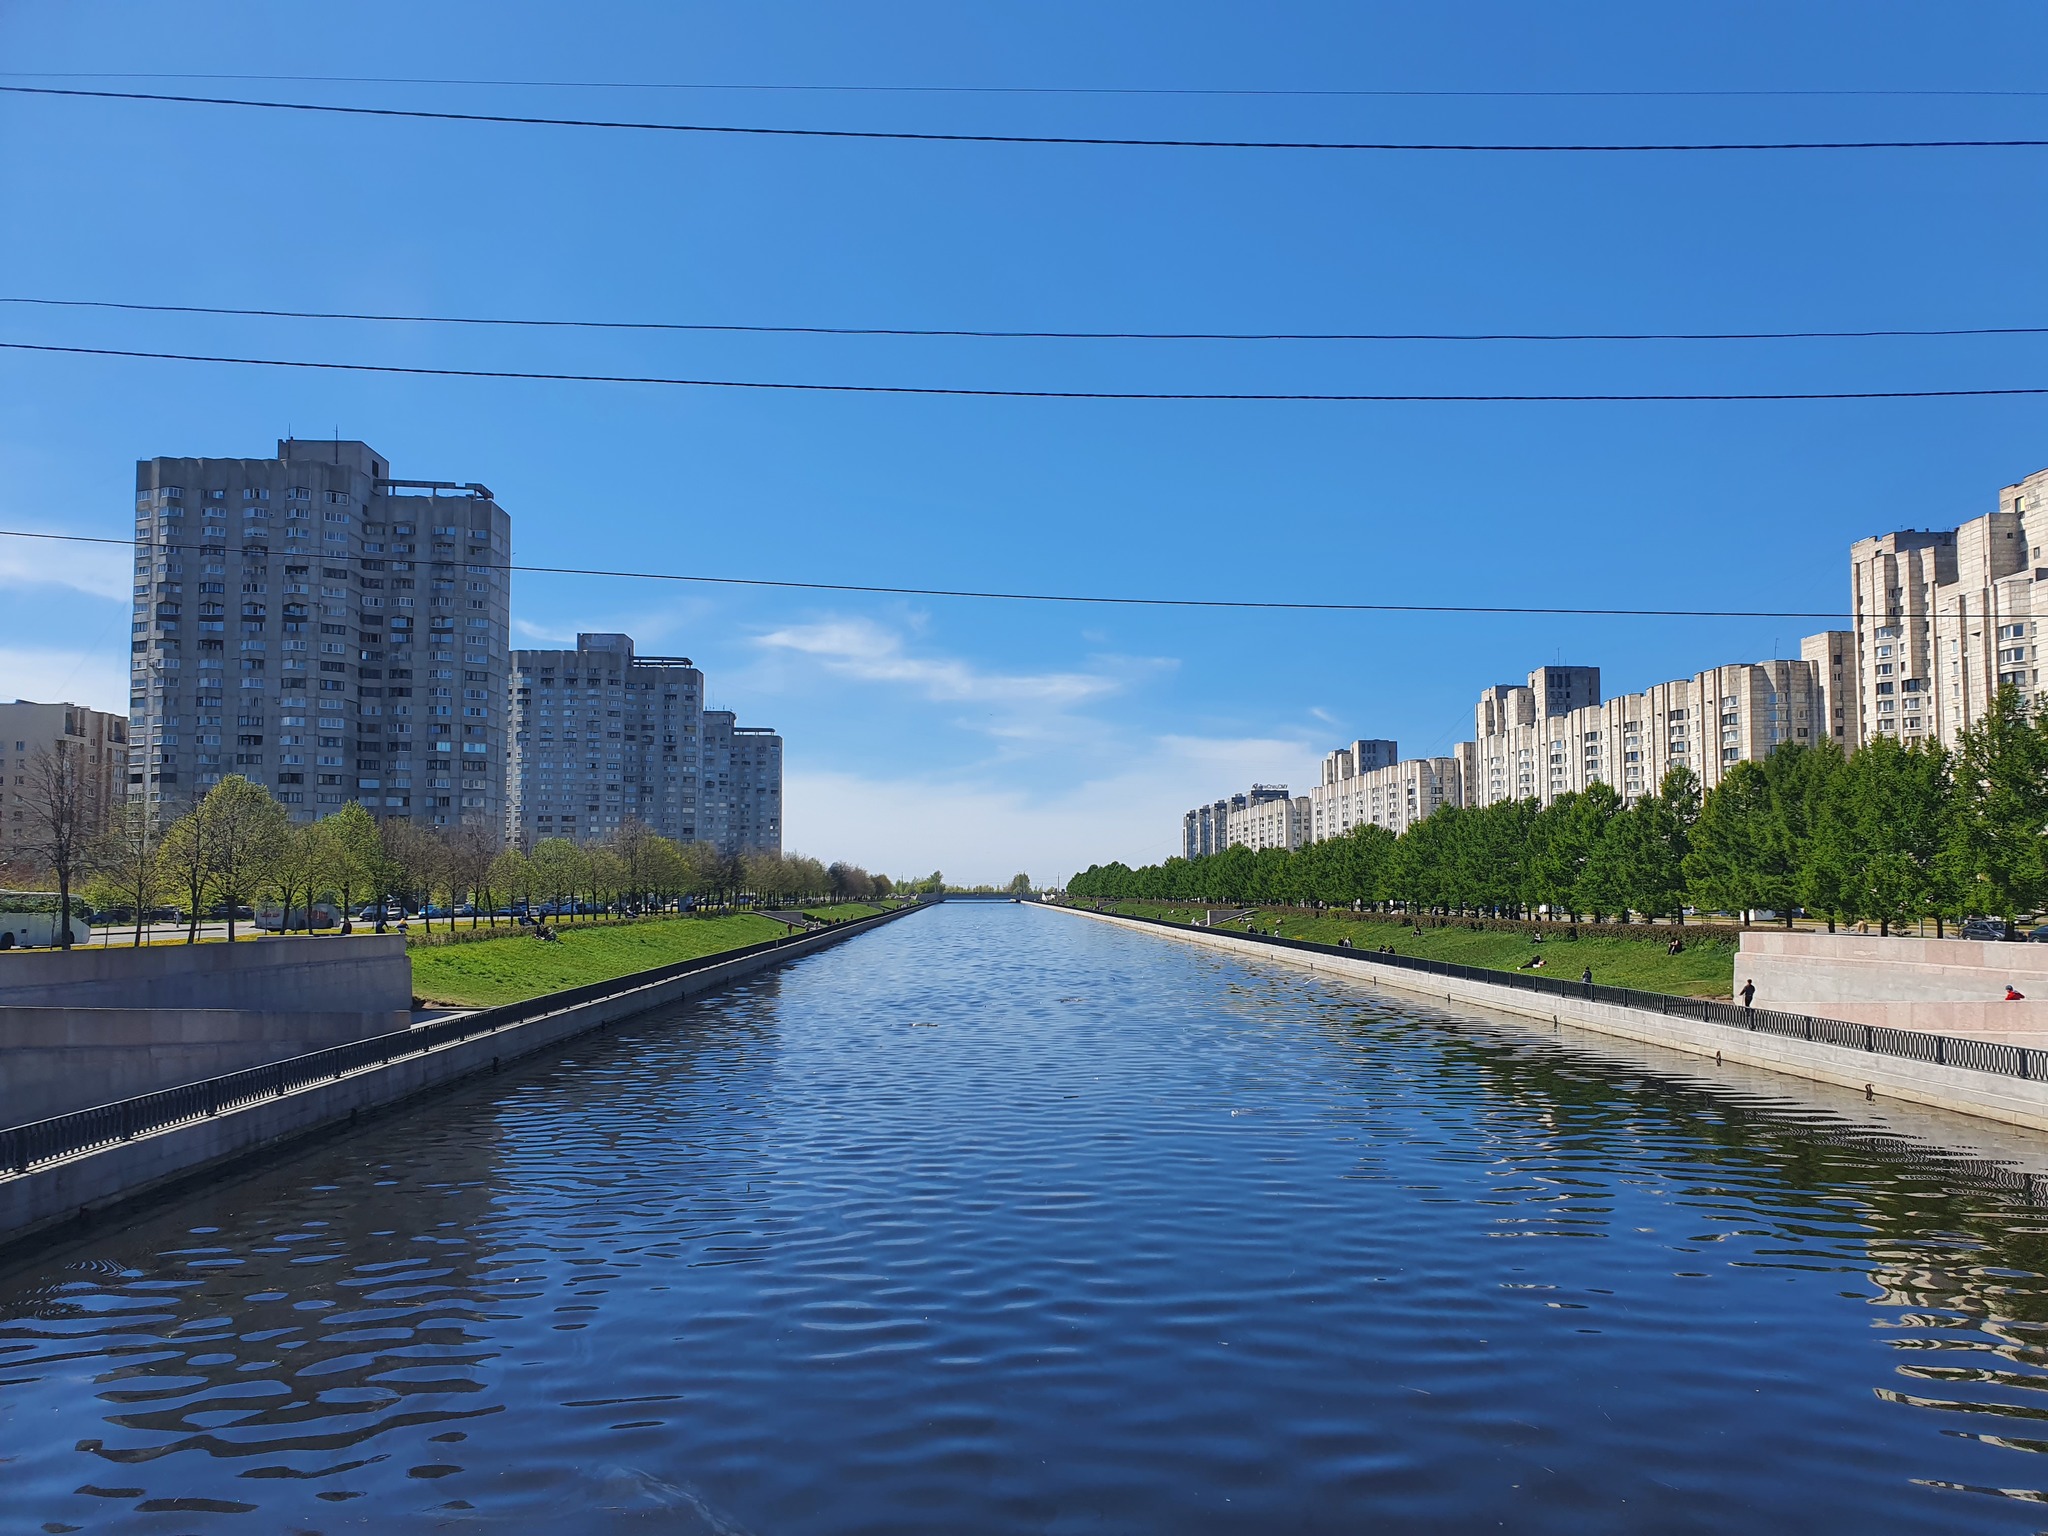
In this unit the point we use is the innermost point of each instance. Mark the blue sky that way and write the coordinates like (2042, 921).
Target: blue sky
(984, 738)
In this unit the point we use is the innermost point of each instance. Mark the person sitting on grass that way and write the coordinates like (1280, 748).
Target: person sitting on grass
(1533, 963)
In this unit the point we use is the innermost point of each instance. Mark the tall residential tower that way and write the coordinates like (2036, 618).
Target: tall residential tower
(322, 628)
(601, 736)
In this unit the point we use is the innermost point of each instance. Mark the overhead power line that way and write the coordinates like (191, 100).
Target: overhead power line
(1088, 140)
(1030, 90)
(964, 392)
(1031, 597)
(1012, 335)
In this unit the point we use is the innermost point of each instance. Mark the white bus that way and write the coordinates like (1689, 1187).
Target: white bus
(28, 920)
(270, 916)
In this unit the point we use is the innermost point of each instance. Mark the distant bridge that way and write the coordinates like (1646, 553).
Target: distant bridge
(977, 896)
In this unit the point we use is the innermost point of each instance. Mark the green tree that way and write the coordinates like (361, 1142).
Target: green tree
(64, 815)
(558, 869)
(124, 858)
(1890, 817)
(181, 861)
(1564, 835)
(242, 830)
(1733, 865)
(1657, 840)
(416, 860)
(299, 870)
(512, 873)
(2002, 775)
(356, 863)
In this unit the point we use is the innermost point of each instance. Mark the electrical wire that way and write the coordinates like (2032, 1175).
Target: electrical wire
(421, 114)
(1028, 90)
(964, 392)
(1013, 597)
(882, 330)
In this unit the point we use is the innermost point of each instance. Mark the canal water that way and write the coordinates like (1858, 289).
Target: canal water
(1001, 1220)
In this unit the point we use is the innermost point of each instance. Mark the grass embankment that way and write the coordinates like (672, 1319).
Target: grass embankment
(845, 912)
(519, 966)
(1704, 968)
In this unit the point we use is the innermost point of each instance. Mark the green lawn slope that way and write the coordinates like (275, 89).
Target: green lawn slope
(1705, 968)
(514, 968)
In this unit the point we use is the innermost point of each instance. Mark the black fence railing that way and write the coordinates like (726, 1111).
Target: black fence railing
(23, 1147)
(1942, 1050)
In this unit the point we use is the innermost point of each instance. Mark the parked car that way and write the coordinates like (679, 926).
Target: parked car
(1984, 928)
(2038, 936)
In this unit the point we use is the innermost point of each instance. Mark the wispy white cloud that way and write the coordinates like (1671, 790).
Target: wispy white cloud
(868, 652)
(526, 629)
(98, 570)
(650, 628)
(96, 678)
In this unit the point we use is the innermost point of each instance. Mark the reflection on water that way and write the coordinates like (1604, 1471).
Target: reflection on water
(998, 1220)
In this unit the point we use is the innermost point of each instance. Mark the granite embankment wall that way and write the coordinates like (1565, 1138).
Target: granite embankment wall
(1943, 986)
(44, 1200)
(366, 973)
(96, 1025)
(55, 1060)
(1990, 1095)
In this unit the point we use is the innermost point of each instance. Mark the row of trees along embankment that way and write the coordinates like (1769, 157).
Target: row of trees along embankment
(1888, 834)
(238, 846)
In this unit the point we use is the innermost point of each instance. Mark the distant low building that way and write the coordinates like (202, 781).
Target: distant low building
(28, 728)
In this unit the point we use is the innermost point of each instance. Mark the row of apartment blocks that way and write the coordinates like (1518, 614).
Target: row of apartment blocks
(336, 634)
(1939, 621)
(1555, 735)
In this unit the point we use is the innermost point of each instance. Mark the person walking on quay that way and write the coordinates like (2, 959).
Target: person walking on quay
(1586, 976)
(1749, 997)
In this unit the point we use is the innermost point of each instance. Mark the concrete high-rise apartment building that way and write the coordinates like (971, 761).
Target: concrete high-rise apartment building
(1706, 723)
(27, 729)
(1242, 818)
(1502, 765)
(602, 735)
(1944, 619)
(1391, 794)
(1988, 624)
(322, 628)
(1892, 584)
(1833, 656)
(743, 778)
(1269, 818)
(1205, 830)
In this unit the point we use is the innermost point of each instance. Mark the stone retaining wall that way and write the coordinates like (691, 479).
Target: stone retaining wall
(1942, 986)
(2011, 1100)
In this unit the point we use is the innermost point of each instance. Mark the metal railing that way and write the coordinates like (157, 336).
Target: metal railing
(1880, 1040)
(42, 1141)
